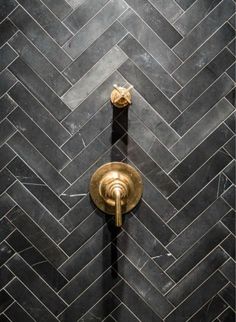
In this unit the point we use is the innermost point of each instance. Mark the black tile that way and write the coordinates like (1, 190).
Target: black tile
(5, 276)
(6, 8)
(6, 131)
(40, 38)
(7, 80)
(230, 147)
(229, 245)
(5, 228)
(6, 180)
(7, 106)
(231, 98)
(7, 30)
(123, 314)
(5, 300)
(6, 204)
(229, 196)
(6, 155)
(7, 55)
(29, 302)
(228, 294)
(229, 221)
(36, 236)
(231, 72)
(16, 313)
(5, 252)
(42, 92)
(228, 270)
(3, 318)
(227, 316)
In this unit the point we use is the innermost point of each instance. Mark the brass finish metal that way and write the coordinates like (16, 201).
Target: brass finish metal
(121, 96)
(116, 188)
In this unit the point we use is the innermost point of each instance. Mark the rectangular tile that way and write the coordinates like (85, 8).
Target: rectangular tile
(7, 8)
(16, 312)
(7, 55)
(6, 228)
(42, 92)
(39, 64)
(60, 8)
(5, 276)
(170, 10)
(96, 26)
(149, 40)
(202, 129)
(7, 80)
(229, 221)
(6, 131)
(205, 29)
(228, 294)
(185, 4)
(7, 106)
(38, 163)
(6, 252)
(47, 20)
(39, 114)
(6, 204)
(228, 270)
(7, 30)
(36, 236)
(6, 179)
(40, 38)
(37, 212)
(5, 300)
(149, 91)
(122, 313)
(203, 80)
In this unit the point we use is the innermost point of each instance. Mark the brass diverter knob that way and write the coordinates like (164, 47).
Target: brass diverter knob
(116, 188)
(121, 96)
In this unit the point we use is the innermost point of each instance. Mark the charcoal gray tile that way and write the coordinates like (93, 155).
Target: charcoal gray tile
(7, 105)
(230, 147)
(185, 4)
(6, 179)
(229, 221)
(231, 98)
(94, 77)
(60, 7)
(205, 29)
(227, 316)
(149, 66)
(75, 3)
(5, 300)
(38, 163)
(202, 129)
(228, 294)
(232, 21)
(39, 64)
(29, 302)
(231, 71)
(16, 312)
(39, 114)
(5, 276)
(7, 55)
(6, 204)
(204, 54)
(229, 196)
(7, 30)
(149, 91)
(7, 80)
(198, 11)
(232, 48)
(5, 228)
(203, 80)
(36, 236)
(122, 313)
(149, 40)
(42, 92)
(6, 131)
(168, 9)
(6, 155)
(6, 252)
(40, 38)
(94, 52)
(96, 26)
(6, 8)
(228, 270)
(230, 171)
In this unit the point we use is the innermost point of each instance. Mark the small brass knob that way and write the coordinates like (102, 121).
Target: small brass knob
(116, 188)
(121, 96)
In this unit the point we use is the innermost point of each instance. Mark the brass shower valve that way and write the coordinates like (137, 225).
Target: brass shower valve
(121, 96)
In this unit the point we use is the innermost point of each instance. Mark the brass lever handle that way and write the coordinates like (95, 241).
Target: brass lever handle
(118, 215)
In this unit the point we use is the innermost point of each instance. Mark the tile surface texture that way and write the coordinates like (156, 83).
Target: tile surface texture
(61, 259)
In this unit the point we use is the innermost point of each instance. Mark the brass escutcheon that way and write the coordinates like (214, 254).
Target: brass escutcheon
(121, 96)
(116, 188)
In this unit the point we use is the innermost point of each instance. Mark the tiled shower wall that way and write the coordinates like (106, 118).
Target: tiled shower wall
(60, 258)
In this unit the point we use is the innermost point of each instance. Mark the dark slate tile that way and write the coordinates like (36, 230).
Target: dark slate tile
(227, 316)
(203, 30)
(38, 138)
(7, 105)
(224, 184)
(201, 154)
(6, 204)
(229, 245)
(202, 129)
(37, 212)
(6, 131)
(199, 250)
(132, 300)
(38, 163)
(6, 228)
(6, 8)
(232, 48)
(7, 29)
(81, 305)
(39, 114)
(6, 155)
(5, 252)
(232, 21)
(148, 242)
(36, 236)
(7, 80)
(189, 19)
(49, 200)
(96, 26)
(47, 20)
(15, 312)
(197, 276)
(228, 270)
(156, 21)
(40, 38)
(202, 105)
(149, 91)
(5, 300)
(29, 302)
(196, 300)
(3, 318)
(185, 4)
(89, 250)
(228, 294)
(95, 52)
(42, 92)
(200, 178)
(231, 98)
(230, 147)
(147, 166)
(149, 66)
(149, 40)
(203, 80)
(87, 10)
(170, 10)
(6, 180)
(7, 55)
(210, 310)
(39, 64)
(204, 54)
(229, 196)
(110, 319)
(229, 221)
(75, 3)
(18, 242)
(231, 71)
(5, 276)
(36, 285)
(122, 313)
(90, 273)
(60, 8)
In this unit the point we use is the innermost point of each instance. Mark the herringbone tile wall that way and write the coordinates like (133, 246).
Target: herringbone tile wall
(60, 258)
